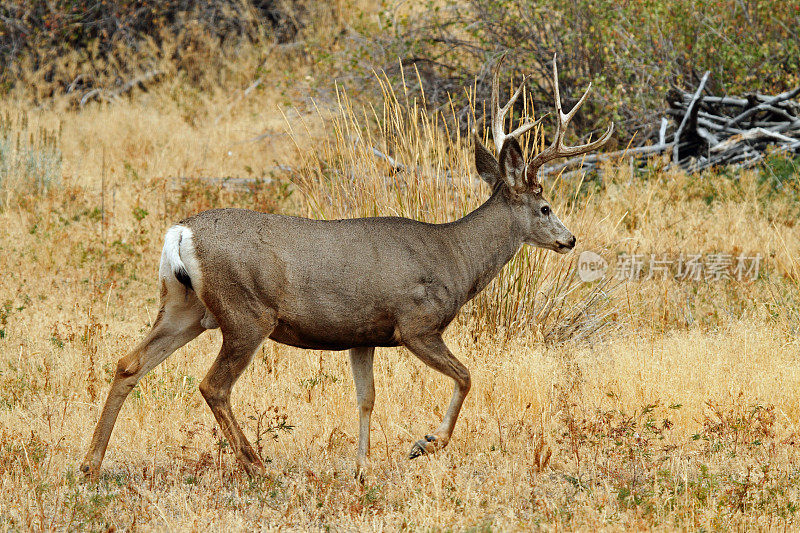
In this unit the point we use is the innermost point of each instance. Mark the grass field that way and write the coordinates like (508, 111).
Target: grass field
(653, 404)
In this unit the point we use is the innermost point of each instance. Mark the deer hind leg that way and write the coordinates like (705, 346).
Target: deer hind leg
(239, 343)
(361, 364)
(177, 323)
(434, 353)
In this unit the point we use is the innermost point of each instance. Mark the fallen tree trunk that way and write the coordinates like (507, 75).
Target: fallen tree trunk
(700, 131)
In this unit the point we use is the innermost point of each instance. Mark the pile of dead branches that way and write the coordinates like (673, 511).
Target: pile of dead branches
(701, 131)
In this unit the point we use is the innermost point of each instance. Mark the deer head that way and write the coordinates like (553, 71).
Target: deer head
(517, 180)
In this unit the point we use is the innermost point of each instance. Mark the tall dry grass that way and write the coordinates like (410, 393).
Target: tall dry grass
(681, 415)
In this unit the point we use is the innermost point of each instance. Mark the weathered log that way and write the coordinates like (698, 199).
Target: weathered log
(677, 139)
(764, 105)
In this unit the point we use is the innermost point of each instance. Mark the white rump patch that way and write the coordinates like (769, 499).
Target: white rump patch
(178, 256)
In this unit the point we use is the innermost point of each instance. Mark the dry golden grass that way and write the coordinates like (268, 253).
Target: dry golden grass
(677, 409)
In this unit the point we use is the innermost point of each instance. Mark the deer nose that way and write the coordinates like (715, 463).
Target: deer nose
(572, 242)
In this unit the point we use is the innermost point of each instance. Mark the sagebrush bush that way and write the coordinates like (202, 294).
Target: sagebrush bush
(30, 158)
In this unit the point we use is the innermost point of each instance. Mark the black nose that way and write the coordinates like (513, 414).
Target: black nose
(572, 242)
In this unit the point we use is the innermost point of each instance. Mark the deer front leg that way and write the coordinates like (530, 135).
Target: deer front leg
(361, 363)
(434, 353)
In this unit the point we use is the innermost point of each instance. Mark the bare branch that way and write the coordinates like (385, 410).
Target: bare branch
(678, 133)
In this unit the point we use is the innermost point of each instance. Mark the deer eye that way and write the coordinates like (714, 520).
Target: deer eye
(545, 210)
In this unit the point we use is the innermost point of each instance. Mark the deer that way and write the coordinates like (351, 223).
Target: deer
(351, 284)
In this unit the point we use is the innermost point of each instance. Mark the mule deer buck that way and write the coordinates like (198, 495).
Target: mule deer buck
(345, 284)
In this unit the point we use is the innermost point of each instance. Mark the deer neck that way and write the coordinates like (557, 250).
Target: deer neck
(484, 241)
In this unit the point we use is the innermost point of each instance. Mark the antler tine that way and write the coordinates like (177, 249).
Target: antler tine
(527, 126)
(571, 151)
(577, 106)
(499, 113)
(557, 148)
(557, 94)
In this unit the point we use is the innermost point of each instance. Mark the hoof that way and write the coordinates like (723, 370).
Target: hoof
(360, 476)
(89, 473)
(255, 471)
(423, 447)
(251, 462)
(363, 469)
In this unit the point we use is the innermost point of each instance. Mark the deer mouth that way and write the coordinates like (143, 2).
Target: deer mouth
(564, 247)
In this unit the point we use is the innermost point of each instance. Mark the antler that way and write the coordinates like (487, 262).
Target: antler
(499, 113)
(557, 148)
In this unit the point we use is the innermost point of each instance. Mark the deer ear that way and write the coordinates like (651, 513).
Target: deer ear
(534, 185)
(486, 164)
(512, 164)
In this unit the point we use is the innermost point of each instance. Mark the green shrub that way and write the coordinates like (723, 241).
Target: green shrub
(632, 51)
